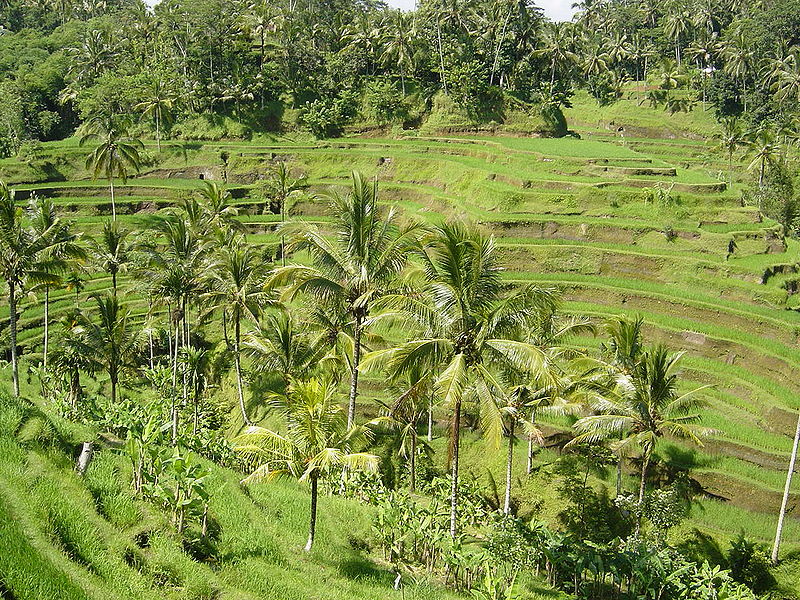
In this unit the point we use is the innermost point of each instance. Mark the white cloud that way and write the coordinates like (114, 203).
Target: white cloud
(557, 10)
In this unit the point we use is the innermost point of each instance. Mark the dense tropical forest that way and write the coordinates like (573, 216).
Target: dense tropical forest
(331, 300)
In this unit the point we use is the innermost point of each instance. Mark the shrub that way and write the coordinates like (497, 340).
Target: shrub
(384, 103)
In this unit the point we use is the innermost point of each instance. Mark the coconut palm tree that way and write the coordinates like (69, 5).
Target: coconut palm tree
(766, 152)
(216, 209)
(280, 188)
(71, 355)
(467, 322)
(157, 106)
(111, 338)
(113, 155)
(280, 345)
(56, 259)
(112, 251)
(368, 250)
(235, 286)
(410, 405)
(647, 407)
(732, 138)
(398, 36)
(317, 441)
(23, 262)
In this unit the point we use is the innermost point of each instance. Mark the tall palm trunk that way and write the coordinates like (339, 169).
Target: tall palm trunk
(12, 305)
(645, 464)
(114, 282)
(785, 501)
(619, 475)
(455, 435)
(113, 202)
(509, 464)
(529, 464)
(312, 527)
(46, 325)
(441, 55)
(113, 389)
(430, 419)
(351, 405)
(158, 133)
(413, 465)
(237, 337)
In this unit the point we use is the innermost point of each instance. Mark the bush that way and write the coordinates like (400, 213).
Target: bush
(325, 117)
(384, 103)
(749, 564)
(211, 127)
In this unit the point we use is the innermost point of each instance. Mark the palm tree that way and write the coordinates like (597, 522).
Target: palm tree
(782, 514)
(281, 346)
(398, 36)
(111, 338)
(369, 249)
(677, 24)
(158, 107)
(280, 188)
(235, 283)
(766, 152)
(22, 259)
(558, 48)
(731, 139)
(646, 408)
(216, 208)
(73, 282)
(405, 412)
(316, 441)
(113, 156)
(57, 258)
(467, 323)
(72, 355)
(112, 252)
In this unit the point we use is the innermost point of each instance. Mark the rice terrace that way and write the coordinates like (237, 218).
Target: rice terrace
(335, 300)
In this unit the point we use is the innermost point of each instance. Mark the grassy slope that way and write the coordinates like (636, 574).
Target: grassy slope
(567, 212)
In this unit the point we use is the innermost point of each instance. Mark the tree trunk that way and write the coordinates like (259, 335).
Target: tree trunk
(46, 325)
(113, 203)
(237, 334)
(430, 419)
(12, 305)
(113, 389)
(158, 134)
(645, 464)
(413, 482)
(509, 464)
(441, 55)
(313, 523)
(499, 47)
(529, 464)
(785, 501)
(455, 433)
(351, 405)
(619, 475)
(114, 283)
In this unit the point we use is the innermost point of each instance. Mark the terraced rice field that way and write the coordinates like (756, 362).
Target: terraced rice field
(707, 274)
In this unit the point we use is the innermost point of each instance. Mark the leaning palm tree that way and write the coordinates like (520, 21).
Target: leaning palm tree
(114, 155)
(22, 258)
(354, 268)
(235, 286)
(216, 208)
(317, 441)
(776, 546)
(111, 338)
(646, 407)
(112, 251)
(467, 321)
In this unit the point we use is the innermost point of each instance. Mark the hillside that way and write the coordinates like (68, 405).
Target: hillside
(632, 222)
